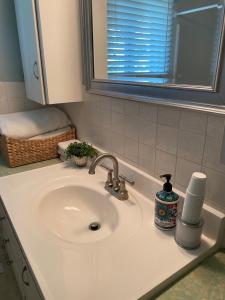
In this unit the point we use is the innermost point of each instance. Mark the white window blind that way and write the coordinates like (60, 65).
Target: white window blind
(139, 40)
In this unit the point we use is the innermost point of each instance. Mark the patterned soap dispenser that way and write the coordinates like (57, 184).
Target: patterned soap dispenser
(166, 204)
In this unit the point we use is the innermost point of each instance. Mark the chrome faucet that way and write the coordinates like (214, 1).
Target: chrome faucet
(113, 184)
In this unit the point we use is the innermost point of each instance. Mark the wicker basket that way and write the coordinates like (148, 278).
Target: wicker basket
(18, 152)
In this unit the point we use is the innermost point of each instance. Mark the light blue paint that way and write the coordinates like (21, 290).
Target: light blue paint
(10, 58)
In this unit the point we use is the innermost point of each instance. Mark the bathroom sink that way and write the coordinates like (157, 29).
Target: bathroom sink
(83, 215)
(73, 212)
(51, 209)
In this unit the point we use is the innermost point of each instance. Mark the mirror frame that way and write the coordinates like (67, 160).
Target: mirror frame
(189, 96)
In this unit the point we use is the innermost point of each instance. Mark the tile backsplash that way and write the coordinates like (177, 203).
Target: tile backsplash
(156, 139)
(13, 98)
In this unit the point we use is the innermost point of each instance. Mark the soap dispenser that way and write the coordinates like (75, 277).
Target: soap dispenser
(166, 204)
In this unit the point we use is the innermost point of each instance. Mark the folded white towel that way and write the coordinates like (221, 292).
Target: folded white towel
(51, 134)
(63, 145)
(32, 123)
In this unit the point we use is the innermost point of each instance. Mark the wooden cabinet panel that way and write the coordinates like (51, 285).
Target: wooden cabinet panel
(26, 283)
(30, 50)
(50, 42)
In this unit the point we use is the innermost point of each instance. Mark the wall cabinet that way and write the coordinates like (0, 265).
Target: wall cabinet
(49, 35)
(24, 278)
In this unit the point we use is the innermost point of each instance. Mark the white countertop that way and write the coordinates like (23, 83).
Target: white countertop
(109, 269)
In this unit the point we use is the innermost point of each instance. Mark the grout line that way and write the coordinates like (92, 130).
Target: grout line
(156, 134)
(178, 141)
(204, 147)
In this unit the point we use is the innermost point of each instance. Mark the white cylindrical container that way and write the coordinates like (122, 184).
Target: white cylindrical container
(194, 199)
(188, 236)
(197, 184)
(192, 208)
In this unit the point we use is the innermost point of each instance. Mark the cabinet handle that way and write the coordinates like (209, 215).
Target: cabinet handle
(23, 272)
(9, 262)
(4, 242)
(35, 70)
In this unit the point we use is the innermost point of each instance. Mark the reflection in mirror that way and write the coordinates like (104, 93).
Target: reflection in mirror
(157, 42)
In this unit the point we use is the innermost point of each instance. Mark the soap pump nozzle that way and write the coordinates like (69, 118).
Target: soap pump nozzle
(167, 187)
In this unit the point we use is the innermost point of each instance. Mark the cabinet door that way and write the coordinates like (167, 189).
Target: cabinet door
(30, 49)
(14, 254)
(31, 291)
(61, 50)
(22, 273)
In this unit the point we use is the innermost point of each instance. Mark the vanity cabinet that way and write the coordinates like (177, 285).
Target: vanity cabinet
(15, 257)
(49, 35)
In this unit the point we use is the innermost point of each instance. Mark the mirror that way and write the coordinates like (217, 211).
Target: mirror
(166, 43)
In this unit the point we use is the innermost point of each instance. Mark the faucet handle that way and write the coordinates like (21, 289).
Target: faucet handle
(109, 182)
(123, 193)
(116, 184)
(127, 179)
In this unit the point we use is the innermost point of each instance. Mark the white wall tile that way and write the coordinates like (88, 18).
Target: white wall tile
(4, 107)
(131, 149)
(105, 103)
(193, 121)
(184, 170)
(212, 154)
(118, 105)
(167, 138)
(146, 158)
(13, 98)
(168, 116)
(182, 189)
(106, 141)
(191, 146)
(94, 136)
(118, 122)
(147, 132)
(215, 126)
(131, 127)
(165, 163)
(222, 150)
(2, 91)
(148, 112)
(215, 188)
(132, 108)
(106, 119)
(16, 105)
(95, 116)
(94, 104)
(117, 143)
(15, 90)
(30, 105)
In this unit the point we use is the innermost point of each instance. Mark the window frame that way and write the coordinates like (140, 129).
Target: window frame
(198, 97)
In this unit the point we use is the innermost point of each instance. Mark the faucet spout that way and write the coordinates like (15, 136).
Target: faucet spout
(99, 159)
(113, 184)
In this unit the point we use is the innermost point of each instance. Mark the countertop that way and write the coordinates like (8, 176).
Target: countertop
(205, 282)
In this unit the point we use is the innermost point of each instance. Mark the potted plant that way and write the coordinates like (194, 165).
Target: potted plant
(80, 152)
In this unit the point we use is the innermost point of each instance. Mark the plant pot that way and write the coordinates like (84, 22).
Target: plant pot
(80, 161)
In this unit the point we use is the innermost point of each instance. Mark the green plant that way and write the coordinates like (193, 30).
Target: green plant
(80, 150)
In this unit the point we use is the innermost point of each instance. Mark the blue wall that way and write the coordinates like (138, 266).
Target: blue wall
(10, 59)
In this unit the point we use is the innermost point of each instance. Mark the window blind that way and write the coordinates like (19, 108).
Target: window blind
(139, 39)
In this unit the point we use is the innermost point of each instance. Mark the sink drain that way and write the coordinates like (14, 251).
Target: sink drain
(94, 226)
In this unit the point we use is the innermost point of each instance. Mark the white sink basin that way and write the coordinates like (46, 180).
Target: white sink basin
(69, 211)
